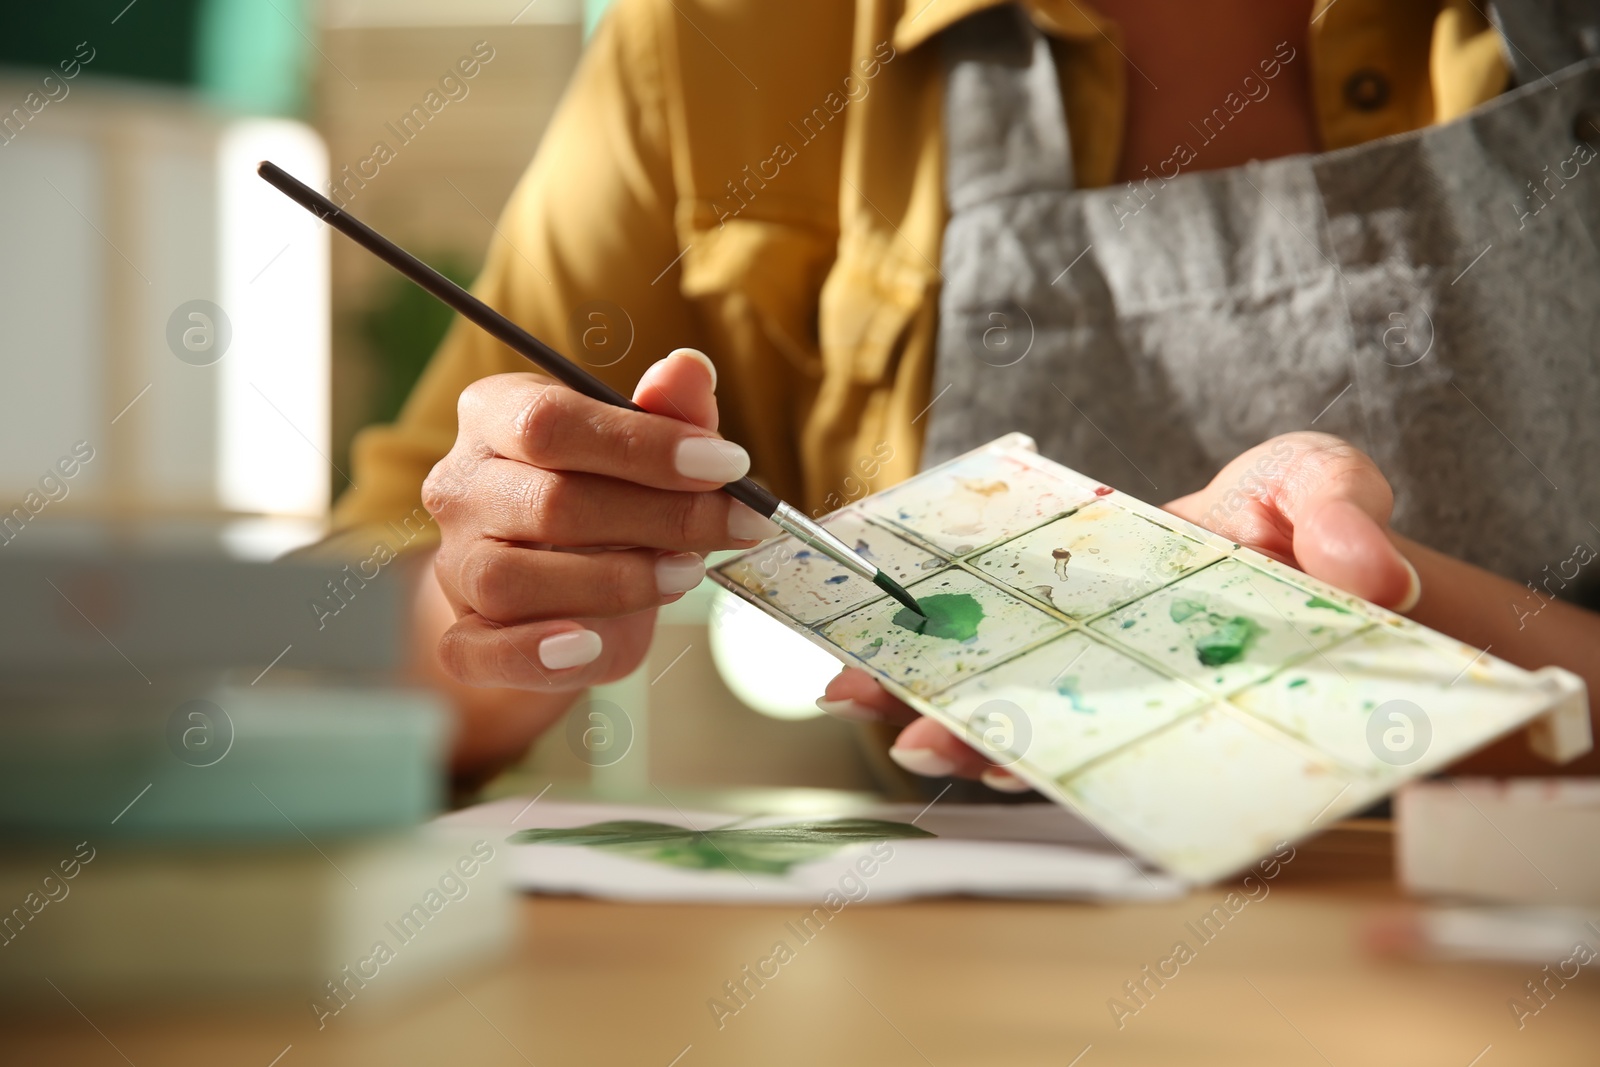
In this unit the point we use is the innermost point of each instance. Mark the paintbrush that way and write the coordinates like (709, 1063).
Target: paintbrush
(563, 370)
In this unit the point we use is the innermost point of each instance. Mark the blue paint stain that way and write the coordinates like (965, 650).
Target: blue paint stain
(1068, 687)
(837, 579)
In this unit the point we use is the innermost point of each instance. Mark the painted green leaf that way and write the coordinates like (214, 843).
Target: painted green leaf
(757, 850)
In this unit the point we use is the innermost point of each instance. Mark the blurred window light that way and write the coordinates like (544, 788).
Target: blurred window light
(164, 306)
(765, 664)
(274, 430)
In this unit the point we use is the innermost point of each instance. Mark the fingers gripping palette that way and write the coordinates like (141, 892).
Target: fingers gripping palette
(1195, 700)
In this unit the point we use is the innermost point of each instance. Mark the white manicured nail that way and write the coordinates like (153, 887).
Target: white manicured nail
(701, 358)
(746, 525)
(923, 761)
(571, 649)
(1413, 591)
(1004, 781)
(853, 710)
(709, 459)
(679, 572)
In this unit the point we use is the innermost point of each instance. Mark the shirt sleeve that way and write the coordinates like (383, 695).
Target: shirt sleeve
(583, 258)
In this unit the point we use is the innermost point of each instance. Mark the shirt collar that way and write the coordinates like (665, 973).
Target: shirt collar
(921, 20)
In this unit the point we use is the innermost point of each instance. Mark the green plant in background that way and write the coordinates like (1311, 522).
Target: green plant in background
(402, 327)
(758, 850)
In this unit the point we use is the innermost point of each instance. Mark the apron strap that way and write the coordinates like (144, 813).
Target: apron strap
(1000, 64)
(1541, 37)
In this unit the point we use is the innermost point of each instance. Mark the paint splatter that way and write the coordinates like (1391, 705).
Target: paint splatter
(984, 488)
(1102, 490)
(837, 579)
(1319, 602)
(1298, 682)
(1061, 556)
(952, 616)
(1183, 609)
(1068, 687)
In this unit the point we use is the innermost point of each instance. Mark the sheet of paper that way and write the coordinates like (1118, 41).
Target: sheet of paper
(880, 853)
(1195, 700)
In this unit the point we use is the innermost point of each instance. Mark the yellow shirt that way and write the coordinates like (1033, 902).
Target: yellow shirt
(765, 182)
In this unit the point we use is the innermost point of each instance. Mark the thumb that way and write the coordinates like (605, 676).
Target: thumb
(682, 386)
(1338, 503)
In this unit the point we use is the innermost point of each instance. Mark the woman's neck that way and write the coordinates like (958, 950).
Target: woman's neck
(1198, 78)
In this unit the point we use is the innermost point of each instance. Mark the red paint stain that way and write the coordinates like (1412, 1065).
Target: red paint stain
(1103, 490)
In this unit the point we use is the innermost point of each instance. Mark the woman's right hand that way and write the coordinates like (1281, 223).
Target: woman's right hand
(565, 522)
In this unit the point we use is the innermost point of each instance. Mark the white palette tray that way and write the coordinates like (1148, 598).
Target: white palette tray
(1195, 700)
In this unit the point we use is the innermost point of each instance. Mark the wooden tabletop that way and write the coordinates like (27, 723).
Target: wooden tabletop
(1286, 981)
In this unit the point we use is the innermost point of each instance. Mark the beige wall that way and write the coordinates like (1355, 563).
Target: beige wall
(371, 76)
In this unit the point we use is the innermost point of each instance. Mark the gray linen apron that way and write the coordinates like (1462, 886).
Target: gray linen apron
(1432, 297)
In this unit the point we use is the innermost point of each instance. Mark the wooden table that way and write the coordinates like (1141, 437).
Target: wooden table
(946, 982)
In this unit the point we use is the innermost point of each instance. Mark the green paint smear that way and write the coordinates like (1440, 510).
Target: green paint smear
(759, 850)
(1228, 640)
(1297, 683)
(1319, 602)
(952, 616)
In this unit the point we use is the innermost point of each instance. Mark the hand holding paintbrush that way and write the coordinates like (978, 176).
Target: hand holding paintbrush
(580, 468)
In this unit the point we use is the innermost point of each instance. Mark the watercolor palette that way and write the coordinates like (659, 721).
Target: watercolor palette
(1196, 701)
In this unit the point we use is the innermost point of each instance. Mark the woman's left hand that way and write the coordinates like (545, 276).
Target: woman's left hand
(1309, 500)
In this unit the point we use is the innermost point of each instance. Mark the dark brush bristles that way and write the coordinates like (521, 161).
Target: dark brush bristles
(893, 588)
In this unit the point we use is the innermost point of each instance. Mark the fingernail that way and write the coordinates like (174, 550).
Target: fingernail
(679, 572)
(709, 459)
(923, 761)
(1004, 781)
(853, 710)
(701, 358)
(571, 649)
(745, 525)
(1413, 591)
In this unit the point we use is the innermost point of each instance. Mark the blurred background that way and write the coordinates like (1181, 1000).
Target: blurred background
(187, 355)
(216, 351)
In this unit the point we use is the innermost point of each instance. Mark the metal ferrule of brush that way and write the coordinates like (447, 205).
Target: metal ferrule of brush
(796, 523)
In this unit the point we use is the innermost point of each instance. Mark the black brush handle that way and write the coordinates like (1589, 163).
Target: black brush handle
(476, 311)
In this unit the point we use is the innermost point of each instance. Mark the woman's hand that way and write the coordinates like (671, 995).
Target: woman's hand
(1306, 499)
(566, 522)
